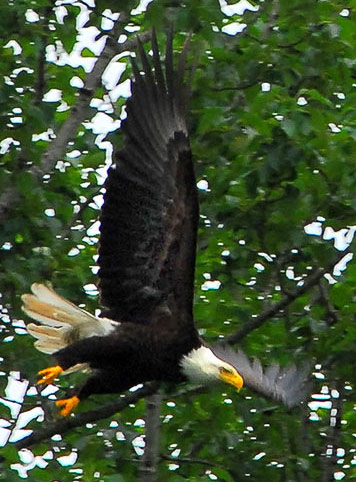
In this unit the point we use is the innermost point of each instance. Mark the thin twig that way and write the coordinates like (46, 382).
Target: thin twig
(188, 460)
(82, 207)
(242, 86)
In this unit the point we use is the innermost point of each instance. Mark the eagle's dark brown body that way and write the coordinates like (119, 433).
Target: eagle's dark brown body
(129, 356)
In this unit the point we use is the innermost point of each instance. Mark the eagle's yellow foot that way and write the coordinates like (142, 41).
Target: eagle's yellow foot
(68, 404)
(49, 374)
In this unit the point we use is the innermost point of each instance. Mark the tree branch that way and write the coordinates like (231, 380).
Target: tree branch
(272, 310)
(65, 424)
(79, 113)
(333, 315)
(286, 300)
(149, 461)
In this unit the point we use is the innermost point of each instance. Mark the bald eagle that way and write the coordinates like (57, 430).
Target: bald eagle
(147, 258)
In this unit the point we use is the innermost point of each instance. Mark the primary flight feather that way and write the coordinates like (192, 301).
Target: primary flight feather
(147, 259)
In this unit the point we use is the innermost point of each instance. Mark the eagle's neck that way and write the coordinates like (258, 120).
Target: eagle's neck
(200, 365)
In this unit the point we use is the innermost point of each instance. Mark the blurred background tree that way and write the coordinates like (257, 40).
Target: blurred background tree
(273, 134)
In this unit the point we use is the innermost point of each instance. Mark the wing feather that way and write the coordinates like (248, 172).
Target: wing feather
(287, 385)
(150, 212)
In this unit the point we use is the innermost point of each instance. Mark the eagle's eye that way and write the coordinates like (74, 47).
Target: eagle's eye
(225, 370)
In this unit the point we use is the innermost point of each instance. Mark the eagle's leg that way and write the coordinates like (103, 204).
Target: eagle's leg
(79, 352)
(67, 405)
(49, 374)
(90, 350)
(103, 381)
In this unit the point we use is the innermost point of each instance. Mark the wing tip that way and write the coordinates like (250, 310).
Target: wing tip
(289, 385)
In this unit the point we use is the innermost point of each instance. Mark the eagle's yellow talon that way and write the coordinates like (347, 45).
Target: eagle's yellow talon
(49, 374)
(68, 404)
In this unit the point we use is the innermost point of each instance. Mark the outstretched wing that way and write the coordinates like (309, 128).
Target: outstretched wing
(287, 385)
(150, 211)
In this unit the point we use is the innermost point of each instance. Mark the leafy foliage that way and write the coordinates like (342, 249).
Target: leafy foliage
(273, 135)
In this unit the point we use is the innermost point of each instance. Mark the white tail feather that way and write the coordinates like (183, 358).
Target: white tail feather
(62, 323)
(48, 347)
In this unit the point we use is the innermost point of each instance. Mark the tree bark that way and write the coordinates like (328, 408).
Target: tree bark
(329, 459)
(149, 462)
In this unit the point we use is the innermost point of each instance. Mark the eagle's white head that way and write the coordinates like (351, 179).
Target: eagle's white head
(203, 366)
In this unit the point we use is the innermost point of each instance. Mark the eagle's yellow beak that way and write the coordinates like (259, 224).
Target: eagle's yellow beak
(232, 377)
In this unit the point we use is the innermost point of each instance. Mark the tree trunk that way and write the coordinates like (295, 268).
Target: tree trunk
(149, 462)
